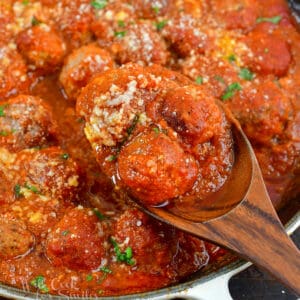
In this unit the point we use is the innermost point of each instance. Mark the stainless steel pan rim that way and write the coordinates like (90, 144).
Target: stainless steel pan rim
(173, 291)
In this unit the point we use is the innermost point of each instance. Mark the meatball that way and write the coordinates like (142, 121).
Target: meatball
(6, 187)
(263, 111)
(139, 43)
(77, 241)
(15, 239)
(81, 65)
(185, 35)
(267, 49)
(192, 113)
(74, 19)
(110, 104)
(155, 168)
(13, 72)
(51, 172)
(151, 9)
(213, 72)
(167, 254)
(26, 122)
(42, 47)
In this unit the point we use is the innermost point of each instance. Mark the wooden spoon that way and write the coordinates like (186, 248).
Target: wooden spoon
(240, 217)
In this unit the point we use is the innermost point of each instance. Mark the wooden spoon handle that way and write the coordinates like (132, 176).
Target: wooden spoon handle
(254, 231)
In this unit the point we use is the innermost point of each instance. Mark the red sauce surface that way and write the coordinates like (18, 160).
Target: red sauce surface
(81, 130)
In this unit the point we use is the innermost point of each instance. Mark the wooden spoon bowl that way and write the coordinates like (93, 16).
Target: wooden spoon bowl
(240, 217)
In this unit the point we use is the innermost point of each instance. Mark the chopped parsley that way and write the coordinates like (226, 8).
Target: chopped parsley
(199, 80)
(246, 74)
(106, 270)
(25, 2)
(125, 256)
(32, 188)
(98, 214)
(219, 78)
(17, 191)
(230, 90)
(156, 9)
(35, 21)
(2, 107)
(111, 158)
(120, 34)
(80, 120)
(274, 20)
(65, 232)
(133, 125)
(4, 133)
(231, 58)
(64, 156)
(39, 283)
(156, 130)
(121, 23)
(89, 277)
(160, 25)
(99, 4)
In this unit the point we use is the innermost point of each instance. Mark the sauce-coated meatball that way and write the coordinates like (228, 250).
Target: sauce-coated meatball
(192, 113)
(42, 47)
(74, 19)
(185, 35)
(155, 168)
(271, 53)
(26, 122)
(81, 65)
(263, 110)
(149, 9)
(13, 72)
(77, 241)
(15, 239)
(140, 43)
(51, 172)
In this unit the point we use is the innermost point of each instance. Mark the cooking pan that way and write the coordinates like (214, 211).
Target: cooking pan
(206, 284)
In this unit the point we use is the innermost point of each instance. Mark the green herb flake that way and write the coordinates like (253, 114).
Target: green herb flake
(219, 78)
(199, 80)
(121, 24)
(17, 191)
(133, 125)
(99, 4)
(120, 34)
(274, 20)
(106, 270)
(230, 90)
(98, 214)
(32, 188)
(89, 277)
(25, 2)
(65, 156)
(125, 256)
(39, 283)
(156, 130)
(156, 9)
(246, 74)
(80, 120)
(160, 25)
(111, 158)
(4, 133)
(2, 107)
(231, 58)
(65, 232)
(35, 21)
